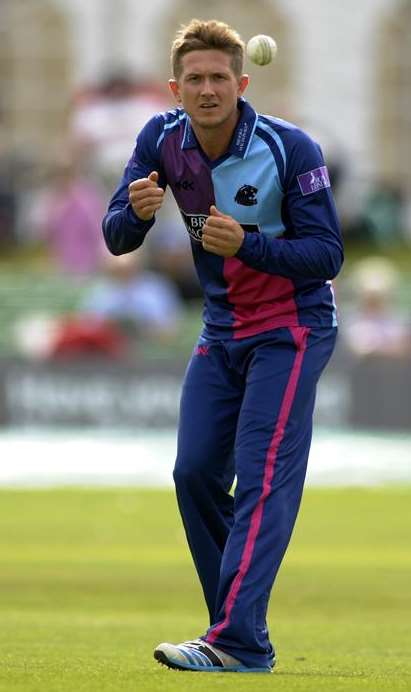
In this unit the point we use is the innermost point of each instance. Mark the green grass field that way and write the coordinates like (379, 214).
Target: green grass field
(92, 580)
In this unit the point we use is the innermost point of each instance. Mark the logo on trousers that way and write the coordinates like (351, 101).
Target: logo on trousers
(201, 350)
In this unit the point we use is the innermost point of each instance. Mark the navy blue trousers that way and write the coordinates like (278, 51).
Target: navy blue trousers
(246, 412)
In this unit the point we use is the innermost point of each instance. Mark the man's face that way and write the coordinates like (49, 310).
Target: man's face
(208, 89)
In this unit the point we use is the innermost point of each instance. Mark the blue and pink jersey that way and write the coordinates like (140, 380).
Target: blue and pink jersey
(274, 182)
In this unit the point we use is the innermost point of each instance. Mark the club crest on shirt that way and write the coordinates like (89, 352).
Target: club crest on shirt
(313, 181)
(246, 195)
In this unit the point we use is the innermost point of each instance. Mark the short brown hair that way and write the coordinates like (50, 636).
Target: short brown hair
(207, 35)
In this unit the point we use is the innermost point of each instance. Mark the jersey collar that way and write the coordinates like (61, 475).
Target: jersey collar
(243, 133)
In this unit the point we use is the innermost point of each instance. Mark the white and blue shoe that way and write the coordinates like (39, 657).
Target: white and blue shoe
(199, 656)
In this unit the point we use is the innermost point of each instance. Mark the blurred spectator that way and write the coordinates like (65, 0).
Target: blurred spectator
(407, 219)
(381, 220)
(125, 306)
(44, 337)
(67, 216)
(107, 116)
(7, 210)
(142, 303)
(76, 337)
(8, 199)
(376, 326)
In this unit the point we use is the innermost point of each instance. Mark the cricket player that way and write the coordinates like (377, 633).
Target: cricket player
(255, 197)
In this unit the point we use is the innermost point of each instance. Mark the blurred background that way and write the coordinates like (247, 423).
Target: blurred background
(93, 347)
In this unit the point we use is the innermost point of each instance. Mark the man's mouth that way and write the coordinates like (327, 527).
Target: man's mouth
(208, 106)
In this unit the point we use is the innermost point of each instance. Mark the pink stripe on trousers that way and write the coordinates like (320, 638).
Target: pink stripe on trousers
(300, 335)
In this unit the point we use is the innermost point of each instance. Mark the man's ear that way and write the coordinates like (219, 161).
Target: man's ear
(172, 83)
(243, 83)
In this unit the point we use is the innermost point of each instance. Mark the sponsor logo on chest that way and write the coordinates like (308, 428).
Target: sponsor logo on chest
(194, 224)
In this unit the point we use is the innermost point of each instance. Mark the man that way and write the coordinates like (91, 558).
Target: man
(255, 197)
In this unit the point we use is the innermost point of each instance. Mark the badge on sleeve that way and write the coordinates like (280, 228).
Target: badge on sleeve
(312, 181)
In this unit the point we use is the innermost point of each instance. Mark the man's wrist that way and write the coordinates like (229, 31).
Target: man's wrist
(134, 219)
(245, 246)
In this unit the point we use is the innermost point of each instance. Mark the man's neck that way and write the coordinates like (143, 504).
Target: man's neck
(216, 141)
(213, 146)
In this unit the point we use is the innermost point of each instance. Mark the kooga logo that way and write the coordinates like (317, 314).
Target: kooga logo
(185, 185)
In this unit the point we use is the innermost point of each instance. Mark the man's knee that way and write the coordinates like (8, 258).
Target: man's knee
(191, 468)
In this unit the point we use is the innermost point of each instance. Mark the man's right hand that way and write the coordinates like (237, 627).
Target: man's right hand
(145, 196)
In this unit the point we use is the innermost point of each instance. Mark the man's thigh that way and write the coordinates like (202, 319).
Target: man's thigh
(275, 422)
(210, 404)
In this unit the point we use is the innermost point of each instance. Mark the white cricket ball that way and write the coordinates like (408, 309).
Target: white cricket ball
(261, 49)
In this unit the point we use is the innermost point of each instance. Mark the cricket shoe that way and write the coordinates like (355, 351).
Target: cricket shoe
(199, 656)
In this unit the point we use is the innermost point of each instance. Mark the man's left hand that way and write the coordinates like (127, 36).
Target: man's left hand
(222, 235)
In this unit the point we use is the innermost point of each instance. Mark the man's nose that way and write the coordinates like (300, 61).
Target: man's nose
(208, 86)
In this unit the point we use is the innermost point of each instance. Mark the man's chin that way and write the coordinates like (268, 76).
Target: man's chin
(210, 121)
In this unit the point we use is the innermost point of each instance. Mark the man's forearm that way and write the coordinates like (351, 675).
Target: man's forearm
(305, 258)
(123, 231)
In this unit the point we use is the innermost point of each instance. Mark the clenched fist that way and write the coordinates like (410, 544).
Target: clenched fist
(222, 235)
(145, 196)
